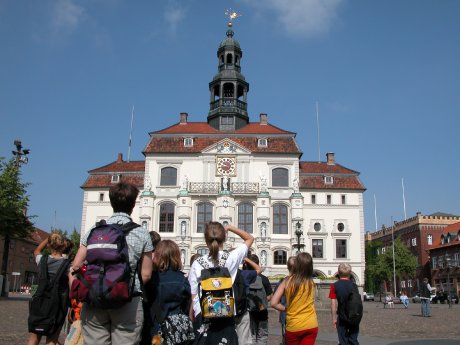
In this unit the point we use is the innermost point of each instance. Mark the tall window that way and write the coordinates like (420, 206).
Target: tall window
(204, 215)
(429, 240)
(317, 248)
(313, 199)
(329, 199)
(280, 219)
(280, 177)
(340, 249)
(344, 199)
(279, 257)
(245, 217)
(167, 217)
(168, 176)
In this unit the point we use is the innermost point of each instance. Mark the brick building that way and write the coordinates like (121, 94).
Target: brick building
(420, 234)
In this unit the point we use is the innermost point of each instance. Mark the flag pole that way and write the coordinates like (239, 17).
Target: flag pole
(317, 127)
(404, 198)
(130, 134)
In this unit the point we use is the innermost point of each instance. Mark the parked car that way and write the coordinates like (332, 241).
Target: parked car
(368, 296)
(416, 298)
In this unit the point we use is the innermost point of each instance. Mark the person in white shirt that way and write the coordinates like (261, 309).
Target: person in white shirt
(219, 331)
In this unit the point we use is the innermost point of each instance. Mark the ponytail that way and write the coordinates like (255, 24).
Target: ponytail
(214, 251)
(214, 235)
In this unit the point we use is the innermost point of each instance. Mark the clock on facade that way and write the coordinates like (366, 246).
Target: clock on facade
(226, 166)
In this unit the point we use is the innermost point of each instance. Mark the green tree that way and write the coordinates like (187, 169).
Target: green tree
(14, 222)
(405, 263)
(14, 201)
(371, 284)
(75, 238)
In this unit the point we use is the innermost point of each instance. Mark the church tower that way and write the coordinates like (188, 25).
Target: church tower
(228, 109)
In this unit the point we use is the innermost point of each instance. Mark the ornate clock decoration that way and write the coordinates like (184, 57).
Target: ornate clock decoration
(225, 166)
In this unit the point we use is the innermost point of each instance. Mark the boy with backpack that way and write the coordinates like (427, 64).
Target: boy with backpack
(346, 307)
(115, 316)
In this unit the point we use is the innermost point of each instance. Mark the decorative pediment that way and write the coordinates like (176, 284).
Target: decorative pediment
(226, 146)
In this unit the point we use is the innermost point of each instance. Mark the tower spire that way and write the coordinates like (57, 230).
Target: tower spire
(228, 89)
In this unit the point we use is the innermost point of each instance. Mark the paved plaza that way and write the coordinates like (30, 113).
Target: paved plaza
(380, 326)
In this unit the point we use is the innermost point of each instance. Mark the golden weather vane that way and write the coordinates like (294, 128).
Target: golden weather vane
(231, 16)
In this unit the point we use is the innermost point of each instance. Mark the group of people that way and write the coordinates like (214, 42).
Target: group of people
(162, 291)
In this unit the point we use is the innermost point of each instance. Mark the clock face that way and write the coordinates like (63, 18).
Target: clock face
(226, 166)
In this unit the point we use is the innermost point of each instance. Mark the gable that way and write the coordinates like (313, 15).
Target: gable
(226, 146)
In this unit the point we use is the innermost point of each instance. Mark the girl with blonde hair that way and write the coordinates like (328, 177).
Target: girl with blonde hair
(298, 288)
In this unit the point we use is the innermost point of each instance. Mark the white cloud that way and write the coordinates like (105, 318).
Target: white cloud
(66, 16)
(302, 17)
(174, 14)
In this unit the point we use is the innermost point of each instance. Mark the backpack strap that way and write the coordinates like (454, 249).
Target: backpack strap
(203, 262)
(126, 228)
(223, 259)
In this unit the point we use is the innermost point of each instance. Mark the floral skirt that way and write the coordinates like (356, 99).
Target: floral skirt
(218, 332)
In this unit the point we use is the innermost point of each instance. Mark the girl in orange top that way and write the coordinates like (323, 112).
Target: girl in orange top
(301, 321)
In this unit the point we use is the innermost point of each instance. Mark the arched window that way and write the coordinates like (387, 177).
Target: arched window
(167, 217)
(280, 177)
(229, 58)
(204, 215)
(168, 176)
(280, 219)
(245, 217)
(280, 257)
(229, 90)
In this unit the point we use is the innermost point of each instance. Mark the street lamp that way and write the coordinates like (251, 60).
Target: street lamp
(448, 263)
(298, 233)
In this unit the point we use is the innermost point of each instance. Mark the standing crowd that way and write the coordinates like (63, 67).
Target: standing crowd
(126, 286)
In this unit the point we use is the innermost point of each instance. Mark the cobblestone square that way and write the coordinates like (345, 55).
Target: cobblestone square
(379, 326)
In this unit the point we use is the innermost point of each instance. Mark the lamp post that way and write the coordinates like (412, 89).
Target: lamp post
(448, 262)
(298, 233)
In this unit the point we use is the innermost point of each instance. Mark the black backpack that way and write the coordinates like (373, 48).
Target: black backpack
(239, 292)
(351, 307)
(48, 306)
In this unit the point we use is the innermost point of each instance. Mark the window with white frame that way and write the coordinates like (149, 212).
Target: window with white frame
(115, 178)
(168, 176)
(280, 177)
(317, 248)
(328, 180)
(166, 217)
(403, 284)
(204, 215)
(188, 142)
(262, 142)
(280, 219)
(280, 257)
(414, 242)
(245, 216)
(340, 248)
(429, 239)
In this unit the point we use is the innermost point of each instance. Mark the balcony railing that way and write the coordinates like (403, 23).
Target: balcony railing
(229, 103)
(216, 187)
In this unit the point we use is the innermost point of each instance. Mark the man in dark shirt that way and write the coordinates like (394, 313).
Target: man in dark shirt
(259, 319)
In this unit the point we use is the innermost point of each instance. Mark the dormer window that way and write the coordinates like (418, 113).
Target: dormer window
(328, 180)
(188, 142)
(115, 178)
(262, 142)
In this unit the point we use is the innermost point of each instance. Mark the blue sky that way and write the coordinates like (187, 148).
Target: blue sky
(386, 75)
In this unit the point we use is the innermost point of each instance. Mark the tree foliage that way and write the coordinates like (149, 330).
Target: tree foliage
(381, 268)
(75, 238)
(13, 202)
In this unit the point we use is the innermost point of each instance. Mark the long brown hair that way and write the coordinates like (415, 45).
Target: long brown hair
(167, 256)
(301, 275)
(215, 236)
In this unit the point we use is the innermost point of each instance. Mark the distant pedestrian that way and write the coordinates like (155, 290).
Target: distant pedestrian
(425, 298)
(338, 294)
(404, 299)
(299, 289)
(389, 301)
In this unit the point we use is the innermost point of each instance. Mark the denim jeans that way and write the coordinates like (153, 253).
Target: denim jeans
(348, 335)
(425, 302)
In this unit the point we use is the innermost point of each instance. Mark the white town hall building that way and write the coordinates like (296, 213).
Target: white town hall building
(246, 173)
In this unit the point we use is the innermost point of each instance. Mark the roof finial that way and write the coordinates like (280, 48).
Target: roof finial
(231, 15)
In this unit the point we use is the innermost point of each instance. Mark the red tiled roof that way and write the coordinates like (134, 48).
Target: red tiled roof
(120, 167)
(324, 168)
(204, 128)
(339, 182)
(105, 180)
(455, 228)
(176, 144)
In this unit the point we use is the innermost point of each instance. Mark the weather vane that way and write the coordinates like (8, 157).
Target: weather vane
(231, 15)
